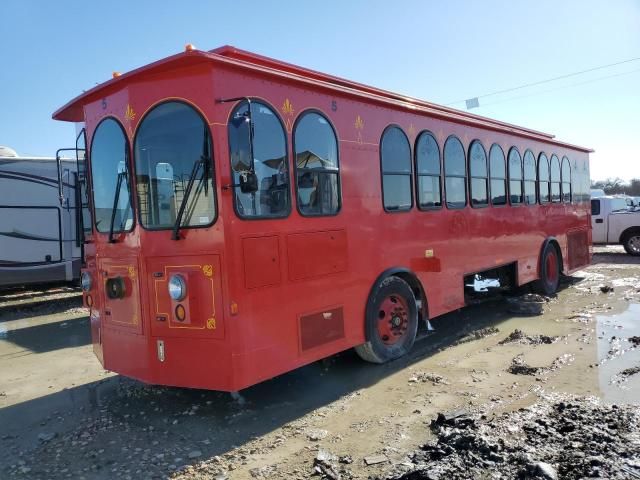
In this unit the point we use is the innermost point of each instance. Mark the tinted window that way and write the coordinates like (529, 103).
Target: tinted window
(566, 180)
(478, 172)
(543, 179)
(555, 179)
(316, 152)
(110, 169)
(270, 162)
(498, 172)
(172, 156)
(83, 180)
(428, 171)
(395, 158)
(595, 207)
(515, 176)
(529, 162)
(455, 173)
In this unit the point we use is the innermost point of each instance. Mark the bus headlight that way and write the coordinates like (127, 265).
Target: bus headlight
(85, 281)
(177, 287)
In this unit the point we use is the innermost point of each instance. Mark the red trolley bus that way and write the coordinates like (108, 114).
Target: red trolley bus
(246, 216)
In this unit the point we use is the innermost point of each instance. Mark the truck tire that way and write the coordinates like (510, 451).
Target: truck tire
(549, 279)
(391, 322)
(631, 243)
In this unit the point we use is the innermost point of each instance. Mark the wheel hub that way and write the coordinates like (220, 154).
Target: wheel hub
(393, 319)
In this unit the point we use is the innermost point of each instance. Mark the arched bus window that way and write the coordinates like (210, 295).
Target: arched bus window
(172, 151)
(544, 179)
(478, 183)
(271, 198)
(317, 171)
(428, 172)
(395, 161)
(566, 180)
(111, 177)
(555, 179)
(498, 172)
(529, 162)
(515, 176)
(455, 174)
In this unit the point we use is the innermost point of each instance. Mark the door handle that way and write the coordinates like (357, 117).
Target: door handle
(599, 220)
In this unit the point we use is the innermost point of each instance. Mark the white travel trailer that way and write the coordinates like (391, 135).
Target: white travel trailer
(40, 224)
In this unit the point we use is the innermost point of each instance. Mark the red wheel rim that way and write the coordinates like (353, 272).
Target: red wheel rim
(551, 267)
(393, 319)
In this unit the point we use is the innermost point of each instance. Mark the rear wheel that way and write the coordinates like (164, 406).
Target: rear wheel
(549, 279)
(631, 243)
(391, 321)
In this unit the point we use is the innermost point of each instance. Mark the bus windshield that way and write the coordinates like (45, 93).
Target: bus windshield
(171, 141)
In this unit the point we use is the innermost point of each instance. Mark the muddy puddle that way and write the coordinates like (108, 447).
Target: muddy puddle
(619, 355)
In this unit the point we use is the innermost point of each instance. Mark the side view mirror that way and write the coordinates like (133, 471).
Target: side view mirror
(248, 182)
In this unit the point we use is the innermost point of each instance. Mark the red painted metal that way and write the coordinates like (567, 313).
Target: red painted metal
(552, 266)
(260, 290)
(393, 319)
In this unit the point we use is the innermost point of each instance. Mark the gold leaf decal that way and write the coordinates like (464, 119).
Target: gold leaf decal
(207, 270)
(359, 123)
(132, 272)
(129, 114)
(287, 107)
(211, 323)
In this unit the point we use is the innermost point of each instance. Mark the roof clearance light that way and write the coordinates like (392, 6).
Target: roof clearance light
(189, 47)
(177, 287)
(85, 281)
(116, 74)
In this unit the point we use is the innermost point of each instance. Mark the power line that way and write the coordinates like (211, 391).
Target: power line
(540, 82)
(561, 88)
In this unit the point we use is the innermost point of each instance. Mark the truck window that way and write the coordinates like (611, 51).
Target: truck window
(595, 207)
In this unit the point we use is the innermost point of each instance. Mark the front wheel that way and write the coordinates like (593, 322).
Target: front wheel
(632, 244)
(391, 321)
(549, 279)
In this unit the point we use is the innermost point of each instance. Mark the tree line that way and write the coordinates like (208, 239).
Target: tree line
(616, 186)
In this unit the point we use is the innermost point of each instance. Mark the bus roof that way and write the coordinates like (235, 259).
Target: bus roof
(229, 55)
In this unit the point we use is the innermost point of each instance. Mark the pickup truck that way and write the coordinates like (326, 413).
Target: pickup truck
(614, 222)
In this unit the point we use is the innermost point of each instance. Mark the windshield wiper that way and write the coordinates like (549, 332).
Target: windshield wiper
(187, 192)
(116, 197)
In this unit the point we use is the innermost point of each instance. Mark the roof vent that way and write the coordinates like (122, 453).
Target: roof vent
(7, 152)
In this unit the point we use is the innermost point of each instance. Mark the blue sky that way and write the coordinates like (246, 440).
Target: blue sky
(438, 51)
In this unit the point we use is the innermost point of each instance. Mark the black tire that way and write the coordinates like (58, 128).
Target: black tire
(631, 243)
(549, 279)
(377, 350)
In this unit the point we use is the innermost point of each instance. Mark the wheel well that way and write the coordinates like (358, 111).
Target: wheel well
(628, 232)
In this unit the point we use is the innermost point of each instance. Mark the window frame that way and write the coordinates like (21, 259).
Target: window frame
(127, 161)
(547, 180)
(512, 149)
(525, 179)
(212, 165)
(551, 182)
(295, 163)
(471, 177)
(464, 177)
(418, 174)
(276, 114)
(504, 179)
(383, 173)
(563, 181)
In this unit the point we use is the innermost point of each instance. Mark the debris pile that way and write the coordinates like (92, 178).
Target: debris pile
(561, 437)
(518, 336)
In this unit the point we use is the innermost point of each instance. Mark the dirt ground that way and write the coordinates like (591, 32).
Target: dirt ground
(62, 416)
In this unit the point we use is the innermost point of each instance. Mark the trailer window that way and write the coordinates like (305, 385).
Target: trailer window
(317, 173)
(428, 172)
(395, 158)
(515, 177)
(566, 180)
(455, 177)
(543, 179)
(529, 178)
(555, 179)
(110, 167)
(498, 172)
(478, 173)
(174, 166)
(272, 198)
